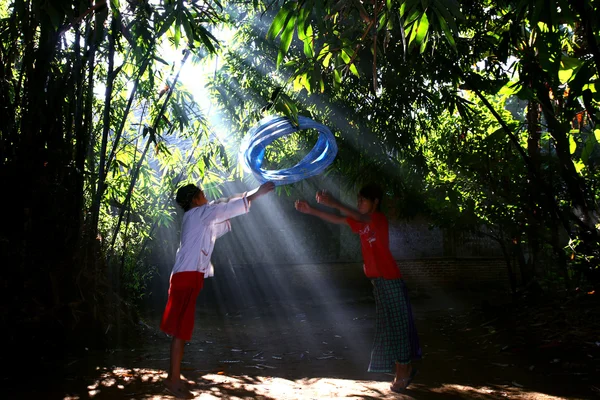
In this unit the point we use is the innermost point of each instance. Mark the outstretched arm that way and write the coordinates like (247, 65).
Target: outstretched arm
(260, 191)
(232, 206)
(251, 195)
(325, 198)
(305, 208)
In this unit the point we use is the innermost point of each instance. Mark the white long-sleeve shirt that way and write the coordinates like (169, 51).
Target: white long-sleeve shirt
(200, 229)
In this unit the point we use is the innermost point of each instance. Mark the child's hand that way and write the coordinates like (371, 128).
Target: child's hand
(325, 198)
(261, 191)
(302, 206)
(266, 188)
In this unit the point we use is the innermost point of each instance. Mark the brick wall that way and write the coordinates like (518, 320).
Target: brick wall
(459, 272)
(246, 285)
(276, 236)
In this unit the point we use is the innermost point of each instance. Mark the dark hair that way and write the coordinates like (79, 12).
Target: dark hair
(372, 191)
(185, 195)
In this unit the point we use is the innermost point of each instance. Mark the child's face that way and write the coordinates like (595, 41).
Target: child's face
(366, 206)
(199, 199)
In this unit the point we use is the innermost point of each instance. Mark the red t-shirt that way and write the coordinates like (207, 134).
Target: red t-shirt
(375, 244)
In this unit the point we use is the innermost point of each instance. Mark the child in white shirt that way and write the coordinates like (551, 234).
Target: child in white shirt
(203, 223)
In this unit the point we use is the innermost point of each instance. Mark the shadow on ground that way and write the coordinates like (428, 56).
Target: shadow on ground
(317, 349)
(252, 342)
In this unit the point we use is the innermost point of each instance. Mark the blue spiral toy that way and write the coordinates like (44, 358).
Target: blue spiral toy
(269, 129)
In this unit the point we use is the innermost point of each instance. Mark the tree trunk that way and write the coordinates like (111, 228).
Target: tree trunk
(512, 278)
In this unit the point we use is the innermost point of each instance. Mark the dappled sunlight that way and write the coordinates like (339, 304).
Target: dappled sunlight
(484, 392)
(145, 383)
(311, 349)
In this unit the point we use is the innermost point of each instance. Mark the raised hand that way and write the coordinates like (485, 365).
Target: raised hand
(302, 206)
(266, 188)
(325, 198)
(261, 191)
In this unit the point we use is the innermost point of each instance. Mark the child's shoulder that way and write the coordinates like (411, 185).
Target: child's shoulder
(196, 212)
(378, 216)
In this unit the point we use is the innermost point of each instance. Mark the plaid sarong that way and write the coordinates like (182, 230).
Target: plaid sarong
(396, 338)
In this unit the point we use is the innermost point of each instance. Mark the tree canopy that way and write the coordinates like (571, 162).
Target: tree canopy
(480, 114)
(413, 65)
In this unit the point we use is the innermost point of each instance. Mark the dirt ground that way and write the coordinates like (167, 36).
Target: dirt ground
(320, 350)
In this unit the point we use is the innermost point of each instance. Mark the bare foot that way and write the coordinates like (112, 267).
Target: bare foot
(400, 384)
(178, 389)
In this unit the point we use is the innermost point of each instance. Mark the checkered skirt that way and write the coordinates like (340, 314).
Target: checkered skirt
(396, 338)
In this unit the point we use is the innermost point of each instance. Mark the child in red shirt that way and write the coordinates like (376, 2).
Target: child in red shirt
(396, 342)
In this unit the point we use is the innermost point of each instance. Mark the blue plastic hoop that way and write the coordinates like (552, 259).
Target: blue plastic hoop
(269, 129)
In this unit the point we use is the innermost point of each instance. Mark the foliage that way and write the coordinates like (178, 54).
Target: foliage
(545, 54)
(416, 90)
(97, 133)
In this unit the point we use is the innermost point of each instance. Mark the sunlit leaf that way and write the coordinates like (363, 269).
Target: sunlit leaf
(327, 59)
(286, 39)
(278, 23)
(422, 29)
(568, 68)
(308, 44)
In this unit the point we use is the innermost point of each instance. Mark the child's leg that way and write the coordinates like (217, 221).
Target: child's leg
(402, 372)
(173, 381)
(178, 321)
(177, 347)
(405, 373)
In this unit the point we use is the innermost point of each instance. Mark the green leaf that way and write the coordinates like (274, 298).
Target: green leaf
(177, 35)
(167, 23)
(423, 46)
(187, 27)
(346, 55)
(412, 17)
(298, 83)
(445, 29)
(161, 60)
(309, 50)
(422, 30)
(402, 9)
(327, 59)
(572, 144)
(497, 136)
(509, 89)
(590, 144)
(207, 39)
(408, 7)
(302, 26)
(278, 23)
(337, 76)
(568, 68)
(286, 39)
(590, 86)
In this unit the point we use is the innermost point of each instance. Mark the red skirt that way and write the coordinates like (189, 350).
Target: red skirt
(178, 318)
